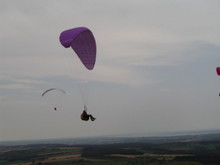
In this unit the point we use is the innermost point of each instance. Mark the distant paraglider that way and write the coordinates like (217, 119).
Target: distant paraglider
(83, 43)
(51, 89)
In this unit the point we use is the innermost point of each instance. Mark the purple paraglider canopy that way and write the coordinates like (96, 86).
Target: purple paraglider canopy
(82, 42)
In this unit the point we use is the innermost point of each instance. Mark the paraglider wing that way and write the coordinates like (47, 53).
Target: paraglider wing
(83, 43)
(53, 89)
(218, 70)
(218, 73)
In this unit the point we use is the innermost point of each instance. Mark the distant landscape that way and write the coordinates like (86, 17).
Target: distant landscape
(153, 137)
(192, 149)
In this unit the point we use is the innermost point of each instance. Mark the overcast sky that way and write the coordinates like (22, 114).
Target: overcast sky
(155, 67)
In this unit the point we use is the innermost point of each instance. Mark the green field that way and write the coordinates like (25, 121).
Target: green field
(181, 153)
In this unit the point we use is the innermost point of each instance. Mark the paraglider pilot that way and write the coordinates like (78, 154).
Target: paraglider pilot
(85, 116)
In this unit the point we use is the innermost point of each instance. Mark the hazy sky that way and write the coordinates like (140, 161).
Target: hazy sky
(155, 68)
